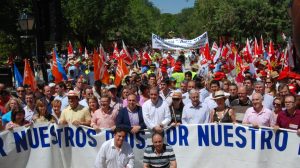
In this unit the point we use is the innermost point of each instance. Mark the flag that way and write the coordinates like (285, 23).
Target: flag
(57, 69)
(124, 54)
(256, 48)
(261, 46)
(29, 76)
(247, 52)
(206, 52)
(120, 72)
(18, 77)
(103, 54)
(239, 69)
(116, 54)
(100, 69)
(290, 53)
(70, 50)
(215, 47)
(271, 49)
(86, 54)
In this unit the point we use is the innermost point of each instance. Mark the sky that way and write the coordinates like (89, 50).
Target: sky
(172, 6)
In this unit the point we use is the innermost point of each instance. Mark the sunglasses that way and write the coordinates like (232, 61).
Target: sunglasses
(20, 90)
(276, 104)
(175, 99)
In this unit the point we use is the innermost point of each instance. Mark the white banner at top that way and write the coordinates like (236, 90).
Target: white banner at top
(178, 43)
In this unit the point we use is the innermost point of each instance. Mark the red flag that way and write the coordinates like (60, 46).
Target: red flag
(29, 76)
(70, 49)
(136, 55)
(146, 60)
(124, 54)
(261, 48)
(239, 69)
(256, 48)
(247, 52)
(120, 72)
(206, 52)
(116, 54)
(55, 72)
(100, 69)
(271, 49)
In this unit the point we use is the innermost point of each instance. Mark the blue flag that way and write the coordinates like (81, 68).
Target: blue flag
(18, 77)
(60, 67)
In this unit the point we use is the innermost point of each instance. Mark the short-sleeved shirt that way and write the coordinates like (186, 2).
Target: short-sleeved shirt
(285, 120)
(240, 108)
(161, 160)
(104, 120)
(263, 118)
(195, 114)
(80, 113)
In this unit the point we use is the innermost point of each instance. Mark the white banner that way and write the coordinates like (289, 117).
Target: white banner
(179, 44)
(209, 146)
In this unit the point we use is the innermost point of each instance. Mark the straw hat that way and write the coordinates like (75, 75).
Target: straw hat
(218, 95)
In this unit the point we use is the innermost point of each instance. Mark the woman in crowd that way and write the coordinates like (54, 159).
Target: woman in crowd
(42, 114)
(277, 106)
(56, 110)
(176, 108)
(17, 119)
(144, 96)
(124, 93)
(12, 104)
(270, 87)
(221, 113)
(93, 104)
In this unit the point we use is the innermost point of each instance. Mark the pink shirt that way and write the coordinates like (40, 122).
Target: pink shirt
(263, 118)
(104, 120)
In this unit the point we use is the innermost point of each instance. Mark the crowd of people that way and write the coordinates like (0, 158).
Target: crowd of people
(160, 94)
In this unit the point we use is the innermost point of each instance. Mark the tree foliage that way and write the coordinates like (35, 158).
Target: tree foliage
(90, 22)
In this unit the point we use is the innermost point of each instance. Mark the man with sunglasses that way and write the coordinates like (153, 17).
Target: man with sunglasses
(21, 96)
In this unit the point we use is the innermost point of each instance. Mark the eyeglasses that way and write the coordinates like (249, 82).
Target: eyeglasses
(289, 102)
(20, 90)
(277, 104)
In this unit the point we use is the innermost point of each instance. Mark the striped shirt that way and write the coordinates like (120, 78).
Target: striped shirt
(161, 160)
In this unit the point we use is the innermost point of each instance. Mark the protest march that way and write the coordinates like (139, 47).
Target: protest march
(116, 87)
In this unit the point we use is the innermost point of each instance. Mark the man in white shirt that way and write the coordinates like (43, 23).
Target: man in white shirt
(115, 152)
(30, 107)
(259, 87)
(60, 91)
(195, 112)
(156, 112)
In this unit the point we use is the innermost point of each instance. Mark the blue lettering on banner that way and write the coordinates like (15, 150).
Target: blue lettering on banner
(44, 137)
(203, 136)
(80, 133)
(266, 136)
(2, 152)
(59, 132)
(69, 134)
(109, 134)
(217, 142)
(130, 139)
(142, 142)
(283, 145)
(239, 135)
(299, 150)
(21, 141)
(173, 140)
(228, 135)
(35, 136)
(53, 134)
(252, 131)
(183, 135)
(92, 142)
